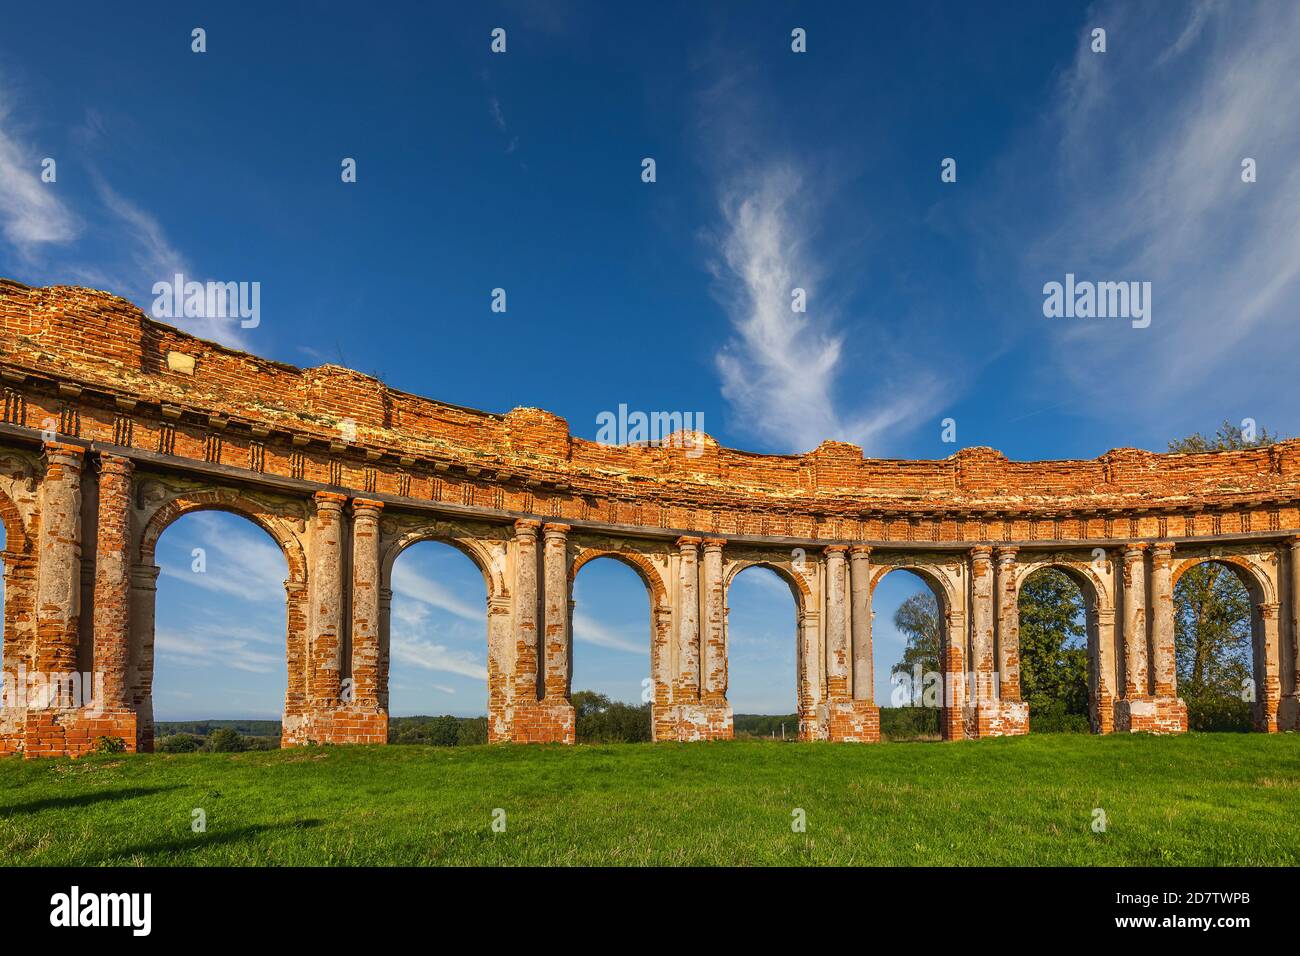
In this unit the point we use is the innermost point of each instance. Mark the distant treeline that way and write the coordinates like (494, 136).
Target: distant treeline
(201, 728)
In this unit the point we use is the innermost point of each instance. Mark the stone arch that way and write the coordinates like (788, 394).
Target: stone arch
(938, 584)
(1081, 573)
(638, 562)
(277, 525)
(491, 562)
(1265, 627)
(798, 584)
(284, 529)
(1255, 579)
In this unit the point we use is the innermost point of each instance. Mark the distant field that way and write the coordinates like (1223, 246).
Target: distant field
(1209, 799)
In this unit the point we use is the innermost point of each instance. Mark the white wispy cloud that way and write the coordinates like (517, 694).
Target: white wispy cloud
(782, 369)
(430, 655)
(31, 211)
(241, 560)
(589, 631)
(1150, 139)
(410, 583)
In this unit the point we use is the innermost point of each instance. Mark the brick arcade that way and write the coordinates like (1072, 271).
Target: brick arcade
(115, 425)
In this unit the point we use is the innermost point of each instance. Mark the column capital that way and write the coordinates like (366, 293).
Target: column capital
(714, 544)
(65, 452)
(556, 529)
(839, 549)
(330, 500)
(527, 527)
(1294, 541)
(1162, 551)
(116, 465)
(1006, 553)
(860, 550)
(688, 542)
(981, 554)
(1134, 549)
(1267, 609)
(366, 506)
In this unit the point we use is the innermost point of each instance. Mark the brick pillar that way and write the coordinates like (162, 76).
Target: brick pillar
(715, 621)
(144, 591)
(1268, 692)
(525, 669)
(558, 671)
(58, 573)
(864, 673)
(327, 598)
(385, 651)
(1162, 620)
(1103, 704)
(812, 706)
(837, 626)
(1289, 713)
(981, 562)
(952, 661)
(688, 621)
(113, 582)
(1008, 626)
(1135, 623)
(365, 603)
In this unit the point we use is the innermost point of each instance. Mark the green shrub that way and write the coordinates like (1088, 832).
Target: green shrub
(223, 740)
(909, 723)
(1216, 711)
(1051, 716)
(110, 745)
(179, 744)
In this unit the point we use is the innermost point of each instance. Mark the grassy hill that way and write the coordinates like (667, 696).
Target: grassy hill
(1208, 799)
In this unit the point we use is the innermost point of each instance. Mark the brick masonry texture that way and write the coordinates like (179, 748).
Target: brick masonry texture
(116, 425)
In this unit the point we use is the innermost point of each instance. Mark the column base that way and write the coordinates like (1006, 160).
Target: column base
(996, 718)
(1151, 715)
(696, 721)
(67, 733)
(1288, 712)
(334, 726)
(535, 722)
(853, 721)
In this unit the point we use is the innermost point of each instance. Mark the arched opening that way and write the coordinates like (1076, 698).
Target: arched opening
(1058, 649)
(763, 638)
(433, 647)
(1219, 647)
(214, 672)
(612, 684)
(909, 629)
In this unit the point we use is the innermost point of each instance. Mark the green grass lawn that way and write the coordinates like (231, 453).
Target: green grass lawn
(1209, 799)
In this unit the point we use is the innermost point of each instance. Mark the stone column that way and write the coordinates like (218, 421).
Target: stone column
(556, 621)
(58, 572)
(837, 626)
(812, 721)
(952, 660)
(688, 620)
(1268, 693)
(385, 644)
(525, 667)
(1104, 697)
(1008, 626)
(327, 597)
(144, 588)
(715, 624)
(365, 603)
(1162, 620)
(113, 582)
(1293, 598)
(1136, 684)
(864, 675)
(982, 623)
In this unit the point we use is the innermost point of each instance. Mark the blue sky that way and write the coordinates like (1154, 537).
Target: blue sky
(775, 170)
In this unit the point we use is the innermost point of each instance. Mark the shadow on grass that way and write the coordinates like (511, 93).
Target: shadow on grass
(81, 800)
(199, 841)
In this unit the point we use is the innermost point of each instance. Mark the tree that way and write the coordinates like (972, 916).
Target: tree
(1212, 615)
(1053, 648)
(918, 618)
